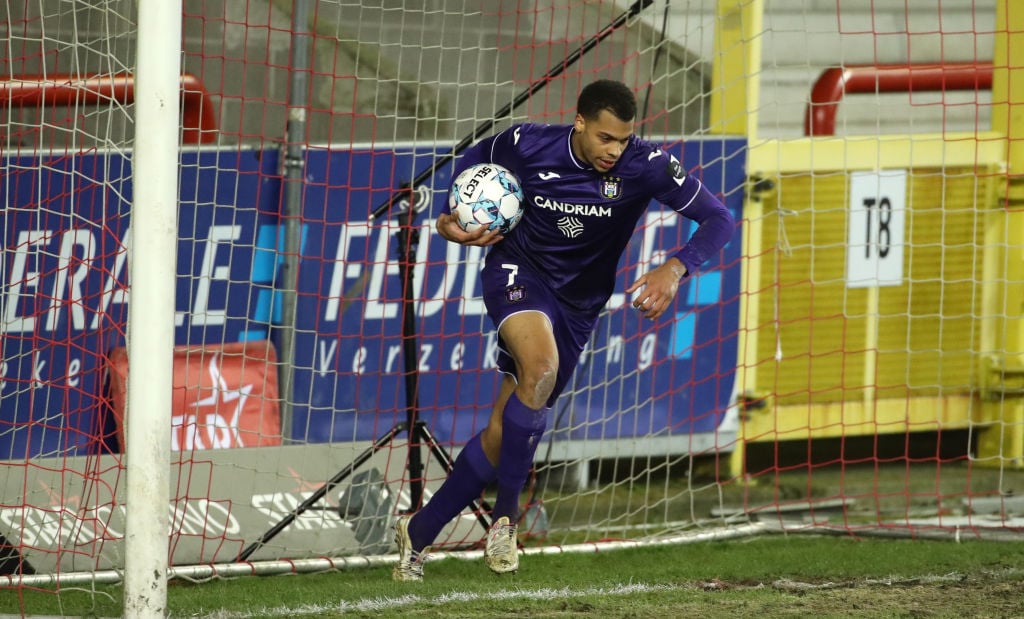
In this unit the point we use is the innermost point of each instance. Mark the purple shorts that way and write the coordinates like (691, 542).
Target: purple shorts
(510, 288)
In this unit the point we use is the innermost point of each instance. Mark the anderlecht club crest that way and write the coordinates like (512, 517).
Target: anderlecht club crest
(611, 187)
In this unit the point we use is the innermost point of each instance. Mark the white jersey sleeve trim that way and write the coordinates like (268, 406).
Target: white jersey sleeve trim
(693, 197)
(494, 142)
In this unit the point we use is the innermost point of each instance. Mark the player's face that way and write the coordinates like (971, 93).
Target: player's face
(600, 141)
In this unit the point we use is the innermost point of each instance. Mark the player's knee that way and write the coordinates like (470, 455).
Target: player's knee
(537, 384)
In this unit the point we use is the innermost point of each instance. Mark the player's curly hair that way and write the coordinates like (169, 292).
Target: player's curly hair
(609, 95)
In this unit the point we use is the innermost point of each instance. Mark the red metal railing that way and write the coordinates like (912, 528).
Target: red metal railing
(199, 120)
(836, 82)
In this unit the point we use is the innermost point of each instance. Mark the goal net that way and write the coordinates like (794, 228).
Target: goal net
(850, 361)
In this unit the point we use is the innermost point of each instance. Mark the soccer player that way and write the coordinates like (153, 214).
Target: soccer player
(545, 283)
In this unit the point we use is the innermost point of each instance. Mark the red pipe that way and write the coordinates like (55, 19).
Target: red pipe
(833, 83)
(199, 122)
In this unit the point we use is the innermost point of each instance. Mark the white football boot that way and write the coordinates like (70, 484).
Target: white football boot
(410, 563)
(502, 552)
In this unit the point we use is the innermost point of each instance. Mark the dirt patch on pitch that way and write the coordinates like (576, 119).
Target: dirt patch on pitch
(959, 596)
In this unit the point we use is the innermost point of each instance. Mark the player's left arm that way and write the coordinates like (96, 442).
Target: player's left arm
(715, 226)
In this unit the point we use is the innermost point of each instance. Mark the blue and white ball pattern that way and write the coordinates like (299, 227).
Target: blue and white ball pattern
(489, 195)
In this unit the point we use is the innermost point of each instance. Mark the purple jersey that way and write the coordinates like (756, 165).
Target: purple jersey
(578, 221)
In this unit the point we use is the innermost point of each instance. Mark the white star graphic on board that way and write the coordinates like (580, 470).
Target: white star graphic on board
(220, 432)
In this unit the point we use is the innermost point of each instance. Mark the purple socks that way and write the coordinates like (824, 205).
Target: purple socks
(470, 474)
(521, 430)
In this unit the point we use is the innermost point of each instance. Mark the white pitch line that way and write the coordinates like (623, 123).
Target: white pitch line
(387, 603)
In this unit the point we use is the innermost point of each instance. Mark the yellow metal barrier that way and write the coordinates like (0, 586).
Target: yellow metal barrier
(1001, 362)
(943, 350)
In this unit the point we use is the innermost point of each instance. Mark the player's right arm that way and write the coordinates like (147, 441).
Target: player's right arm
(487, 150)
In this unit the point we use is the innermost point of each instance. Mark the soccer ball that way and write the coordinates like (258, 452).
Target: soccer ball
(486, 194)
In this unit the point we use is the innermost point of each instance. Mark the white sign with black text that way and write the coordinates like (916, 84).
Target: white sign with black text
(874, 232)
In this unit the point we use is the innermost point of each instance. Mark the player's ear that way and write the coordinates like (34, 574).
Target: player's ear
(579, 123)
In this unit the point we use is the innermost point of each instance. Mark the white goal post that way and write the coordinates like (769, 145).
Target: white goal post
(150, 342)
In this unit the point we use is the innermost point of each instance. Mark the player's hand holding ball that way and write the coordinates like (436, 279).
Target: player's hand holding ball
(448, 227)
(486, 202)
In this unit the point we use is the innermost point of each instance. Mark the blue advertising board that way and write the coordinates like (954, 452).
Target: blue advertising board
(64, 301)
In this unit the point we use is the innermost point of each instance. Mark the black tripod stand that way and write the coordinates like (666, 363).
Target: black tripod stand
(408, 236)
(408, 241)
